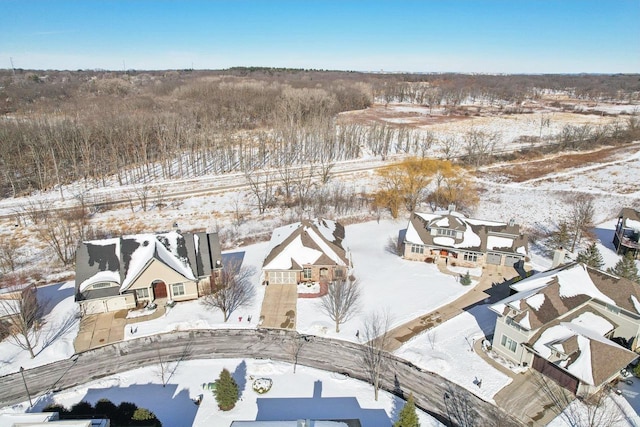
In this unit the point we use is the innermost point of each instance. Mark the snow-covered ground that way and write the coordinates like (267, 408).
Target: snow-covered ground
(406, 289)
(56, 336)
(447, 350)
(307, 394)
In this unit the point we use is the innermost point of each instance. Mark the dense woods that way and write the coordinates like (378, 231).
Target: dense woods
(135, 127)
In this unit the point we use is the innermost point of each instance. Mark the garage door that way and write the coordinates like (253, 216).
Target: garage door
(493, 258)
(115, 304)
(283, 277)
(555, 373)
(94, 307)
(510, 260)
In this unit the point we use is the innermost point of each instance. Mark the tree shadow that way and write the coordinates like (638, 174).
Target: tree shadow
(398, 400)
(172, 407)
(58, 328)
(320, 408)
(606, 237)
(52, 295)
(240, 377)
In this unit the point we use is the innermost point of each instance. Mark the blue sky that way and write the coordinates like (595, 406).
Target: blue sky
(499, 36)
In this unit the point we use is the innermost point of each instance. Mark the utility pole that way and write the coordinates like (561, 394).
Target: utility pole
(13, 69)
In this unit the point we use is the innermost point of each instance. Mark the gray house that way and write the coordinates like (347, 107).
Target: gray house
(120, 273)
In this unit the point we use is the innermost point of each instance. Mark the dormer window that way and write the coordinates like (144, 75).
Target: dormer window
(446, 232)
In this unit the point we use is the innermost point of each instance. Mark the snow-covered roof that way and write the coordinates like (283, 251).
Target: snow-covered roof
(471, 234)
(630, 218)
(121, 260)
(306, 243)
(584, 351)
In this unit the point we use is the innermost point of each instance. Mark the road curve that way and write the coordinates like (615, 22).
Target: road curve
(448, 402)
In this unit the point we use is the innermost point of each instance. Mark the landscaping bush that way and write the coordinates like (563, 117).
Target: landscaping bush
(466, 279)
(262, 385)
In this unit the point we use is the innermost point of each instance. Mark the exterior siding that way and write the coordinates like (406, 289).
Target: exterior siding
(520, 355)
(628, 328)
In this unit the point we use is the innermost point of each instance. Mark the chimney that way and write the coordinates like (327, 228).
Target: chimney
(558, 257)
(452, 207)
(512, 222)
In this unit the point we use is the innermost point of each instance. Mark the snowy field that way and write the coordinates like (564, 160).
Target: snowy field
(309, 393)
(403, 288)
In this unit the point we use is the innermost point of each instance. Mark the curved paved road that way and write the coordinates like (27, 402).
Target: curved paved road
(448, 402)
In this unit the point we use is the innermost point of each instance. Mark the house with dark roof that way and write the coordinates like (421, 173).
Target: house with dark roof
(627, 235)
(120, 273)
(466, 241)
(577, 325)
(306, 251)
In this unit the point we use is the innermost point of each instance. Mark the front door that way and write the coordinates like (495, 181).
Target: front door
(159, 290)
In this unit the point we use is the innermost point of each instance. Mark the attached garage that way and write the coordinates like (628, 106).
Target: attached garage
(283, 277)
(555, 373)
(494, 258)
(510, 260)
(93, 306)
(122, 302)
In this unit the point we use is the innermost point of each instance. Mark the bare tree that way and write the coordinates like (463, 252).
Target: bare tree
(590, 411)
(341, 301)
(9, 253)
(262, 188)
(21, 314)
(143, 193)
(376, 342)
(168, 367)
(62, 234)
(295, 347)
(460, 408)
(581, 218)
(231, 290)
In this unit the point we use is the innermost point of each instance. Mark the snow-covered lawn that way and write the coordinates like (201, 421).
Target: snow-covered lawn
(309, 393)
(56, 336)
(448, 350)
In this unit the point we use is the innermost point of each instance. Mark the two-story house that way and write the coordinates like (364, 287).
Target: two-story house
(574, 324)
(467, 241)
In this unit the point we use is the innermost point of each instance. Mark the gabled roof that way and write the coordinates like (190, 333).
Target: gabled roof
(554, 304)
(317, 242)
(631, 218)
(578, 346)
(547, 296)
(121, 260)
(477, 235)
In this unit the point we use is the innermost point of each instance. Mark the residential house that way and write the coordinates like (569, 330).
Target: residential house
(120, 273)
(47, 419)
(627, 234)
(307, 251)
(466, 241)
(577, 325)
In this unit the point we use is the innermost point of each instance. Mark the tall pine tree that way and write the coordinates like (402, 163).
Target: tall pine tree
(626, 268)
(408, 416)
(226, 391)
(591, 257)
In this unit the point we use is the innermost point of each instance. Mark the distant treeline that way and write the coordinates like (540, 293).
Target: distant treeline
(57, 127)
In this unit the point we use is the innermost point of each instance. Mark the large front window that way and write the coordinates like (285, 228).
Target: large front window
(509, 344)
(417, 249)
(468, 256)
(177, 289)
(142, 293)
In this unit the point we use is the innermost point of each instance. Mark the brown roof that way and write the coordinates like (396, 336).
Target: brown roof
(301, 231)
(423, 228)
(629, 213)
(619, 289)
